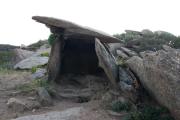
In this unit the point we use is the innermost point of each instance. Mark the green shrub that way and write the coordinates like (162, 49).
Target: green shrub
(45, 54)
(118, 106)
(139, 42)
(149, 113)
(52, 39)
(176, 43)
(33, 69)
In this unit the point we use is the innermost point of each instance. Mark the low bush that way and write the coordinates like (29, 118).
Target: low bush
(45, 54)
(118, 106)
(52, 39)
(149, 113)
(139, 41)
(33, 69)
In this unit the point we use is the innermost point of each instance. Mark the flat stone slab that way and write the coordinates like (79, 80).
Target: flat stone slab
(69, 114)
(30, 62)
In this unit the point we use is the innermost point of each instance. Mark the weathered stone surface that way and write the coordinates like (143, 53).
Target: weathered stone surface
(75, 29)
(107, 62)
(21, 54)
(44, 97)
(113, 47)
(30, 62)
(55, 60)
(40, 72)
(16, 105)
(43, 49)
(129, 52)
(122, 54)
(159, 73)
(20, 105)
(125, 80)
(69, 114)
(124, 76)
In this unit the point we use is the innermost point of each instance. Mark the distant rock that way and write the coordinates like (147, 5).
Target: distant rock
(6, 47)
(133, 32)
(30, 62)
(147, 32)
(159, 73)
(44, 97)
(37, 45)
(23, 46)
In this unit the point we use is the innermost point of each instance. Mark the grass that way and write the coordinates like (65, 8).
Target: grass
(45, 54)
(29, 87)
(6, 71)
(33, 69)
(6, 60)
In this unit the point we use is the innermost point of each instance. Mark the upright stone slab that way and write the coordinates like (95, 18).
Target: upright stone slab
(107, 62)
(54, 64)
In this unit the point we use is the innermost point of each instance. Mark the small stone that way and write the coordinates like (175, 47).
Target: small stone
(34, 110)
(122, 99)
(39, 73)
(31, 98)
(125, 87)
(16, 105)
(32, 104)
(44, 97)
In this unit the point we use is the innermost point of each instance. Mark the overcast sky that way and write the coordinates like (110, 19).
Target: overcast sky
(110, 16)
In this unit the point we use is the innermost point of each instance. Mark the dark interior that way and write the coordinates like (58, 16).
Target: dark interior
(79, 57)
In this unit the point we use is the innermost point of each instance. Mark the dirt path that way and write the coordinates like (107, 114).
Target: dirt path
(8, 81)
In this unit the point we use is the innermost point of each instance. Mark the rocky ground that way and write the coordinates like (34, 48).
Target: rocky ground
(61, 109)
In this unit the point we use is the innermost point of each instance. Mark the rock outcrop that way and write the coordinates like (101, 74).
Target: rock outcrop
(30, 62)
(21, 54)
(159, 73)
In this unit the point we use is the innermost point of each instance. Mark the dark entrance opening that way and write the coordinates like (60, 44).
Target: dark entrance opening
(79, 57)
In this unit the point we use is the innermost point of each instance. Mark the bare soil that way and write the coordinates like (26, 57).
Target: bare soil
(8, 83)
